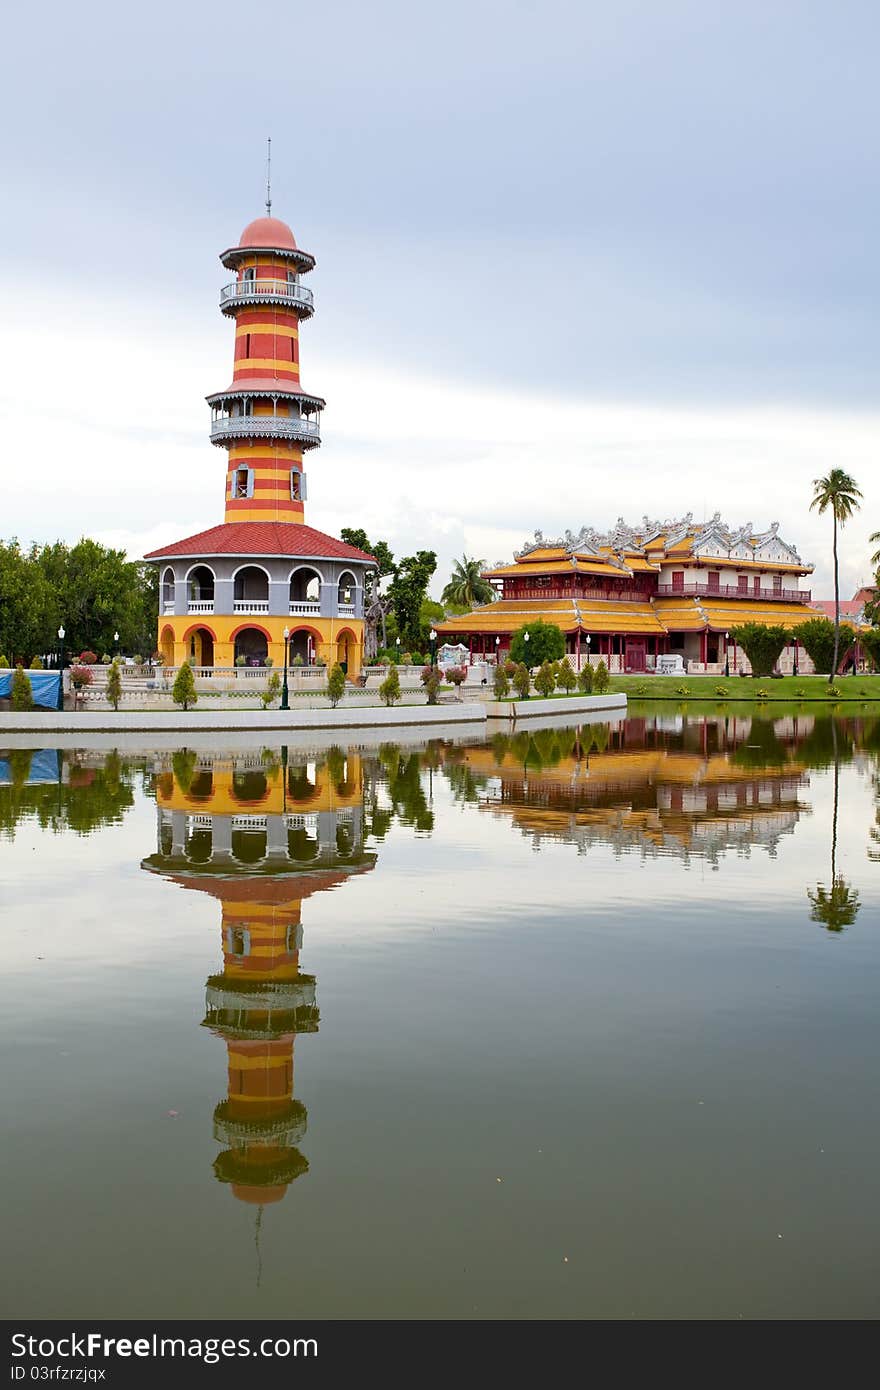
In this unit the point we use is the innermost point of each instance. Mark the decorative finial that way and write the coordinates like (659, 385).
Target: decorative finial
(269, 176)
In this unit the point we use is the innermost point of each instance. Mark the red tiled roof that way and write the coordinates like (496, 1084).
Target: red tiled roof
(262, 538)
(849, 607)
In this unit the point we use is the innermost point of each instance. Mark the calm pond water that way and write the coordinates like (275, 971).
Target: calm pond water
(574, 1023)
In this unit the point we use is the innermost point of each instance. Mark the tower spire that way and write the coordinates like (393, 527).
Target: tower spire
(269, 176)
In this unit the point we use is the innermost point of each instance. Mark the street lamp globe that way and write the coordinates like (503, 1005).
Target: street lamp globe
(61, 633)
(286, 634)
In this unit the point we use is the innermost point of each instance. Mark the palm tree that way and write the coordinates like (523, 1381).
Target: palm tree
(837, 491)
(838, 907)
(467, 587)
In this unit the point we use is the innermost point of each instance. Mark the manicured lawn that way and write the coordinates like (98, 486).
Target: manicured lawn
(788, 688)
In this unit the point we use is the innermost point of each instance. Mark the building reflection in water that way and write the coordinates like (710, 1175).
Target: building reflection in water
(656, 785)
(260, 835)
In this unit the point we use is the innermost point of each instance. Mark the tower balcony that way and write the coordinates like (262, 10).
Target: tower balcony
(281, 292)
(225, 429)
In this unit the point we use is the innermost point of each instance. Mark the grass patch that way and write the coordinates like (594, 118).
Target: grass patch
(762, 689)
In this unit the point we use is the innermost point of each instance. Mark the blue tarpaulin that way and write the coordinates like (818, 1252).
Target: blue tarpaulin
(45, 685)
(43, 768)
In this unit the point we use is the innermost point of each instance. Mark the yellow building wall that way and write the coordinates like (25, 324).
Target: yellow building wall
(336, 639)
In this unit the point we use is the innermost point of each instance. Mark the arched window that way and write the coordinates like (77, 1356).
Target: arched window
(347, 588)
(168, 587)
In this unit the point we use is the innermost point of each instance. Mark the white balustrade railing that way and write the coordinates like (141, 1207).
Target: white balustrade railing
(304, 606)
(200, 606)
(200, 822)
(168, 605)
(298, 821)
(248, 822)
(247, 291)
(250, 605)
(275, 426)
(346, 610)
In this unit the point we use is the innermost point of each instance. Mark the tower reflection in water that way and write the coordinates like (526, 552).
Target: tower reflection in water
(260, 834)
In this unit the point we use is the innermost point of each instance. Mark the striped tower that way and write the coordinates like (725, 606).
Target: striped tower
(265, 419)
(258, 1005)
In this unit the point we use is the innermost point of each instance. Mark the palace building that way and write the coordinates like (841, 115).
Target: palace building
(228, 594)
(638, 592)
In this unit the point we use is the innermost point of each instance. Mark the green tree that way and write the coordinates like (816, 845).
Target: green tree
(566, 678)
(762, 644)
(335, 684)
(501, 682)
(545, 680)
(96, 592)
(817, 639)
(601, 679)
(272, 689)
(114, 684)
(585, 679)
(407, 590)
(836, 492)
(522, 681)
(546, 643)
(466, 586)
(27, 607)
(184, 690)
(390, 687)
(22, 695)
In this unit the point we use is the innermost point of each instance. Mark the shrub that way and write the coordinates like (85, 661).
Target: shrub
(390, 687)
(4, 663)
(762, 644)
(138, 659)
(425, 674)
(834, 690)
(297, 661)
(522, 682)
(457, 675)
(240, 660)
(585, 679)
(87, 658)
(510, 669)
(406, 659)
(762, 694)
(566, 678)
(432, 684)
(546, 643)
(36, 664)
(268, 663)
(641, 688)
(545, 680)
(271, 690)
(501, 683)
(114, 684)
(184, 689)
(80, 677)
(22, 695)
(817, 639)
(601, 679)
(681, 690)
(720, 690)
(335, 684)
(106, 659)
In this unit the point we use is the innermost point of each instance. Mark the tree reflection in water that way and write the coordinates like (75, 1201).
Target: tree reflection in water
(836, 908)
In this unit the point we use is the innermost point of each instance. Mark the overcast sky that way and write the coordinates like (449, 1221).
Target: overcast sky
(575, 260)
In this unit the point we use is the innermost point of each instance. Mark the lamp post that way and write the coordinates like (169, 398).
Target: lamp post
(497, 650)
(794, 667)
(726, 654)
(284, 700)
(397, 644)
(588, 639)
(60, 676)
(116, 643)
(433, 636)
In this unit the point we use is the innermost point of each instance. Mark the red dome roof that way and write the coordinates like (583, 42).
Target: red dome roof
(268, 232)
